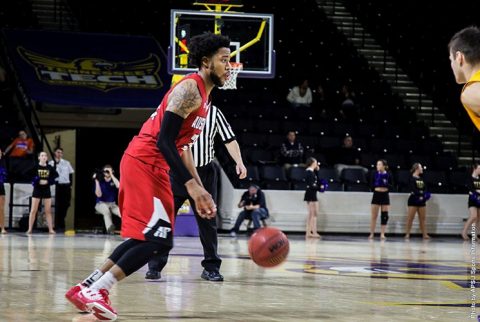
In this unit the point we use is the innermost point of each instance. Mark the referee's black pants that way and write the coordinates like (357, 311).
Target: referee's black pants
(63, 194)
(207, 227)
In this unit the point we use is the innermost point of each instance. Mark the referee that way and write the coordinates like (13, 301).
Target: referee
(203, 155)
(63, 188)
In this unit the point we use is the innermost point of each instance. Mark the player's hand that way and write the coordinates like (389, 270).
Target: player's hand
(241, 171)
(206, 207)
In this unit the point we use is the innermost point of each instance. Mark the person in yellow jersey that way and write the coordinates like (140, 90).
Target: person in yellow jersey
(464, 49)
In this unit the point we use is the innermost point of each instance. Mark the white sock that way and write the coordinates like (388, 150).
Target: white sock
(106, 282)
(92, 278)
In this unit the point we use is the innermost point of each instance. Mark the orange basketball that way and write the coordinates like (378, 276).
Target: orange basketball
(268, 247)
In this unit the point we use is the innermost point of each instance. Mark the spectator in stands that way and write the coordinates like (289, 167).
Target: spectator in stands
(417, 201)
(324, 106)
(347, 97)
(21, 147)
(300, 95)
(320, 103)
(381, 183)
(44, 177)
(21, 163)
(3, 179)
(473, 185)
(63, 187)
(348, 157)
(313, 186)
(348, 108)
(291, 151)
(106, 191)
(254, 208)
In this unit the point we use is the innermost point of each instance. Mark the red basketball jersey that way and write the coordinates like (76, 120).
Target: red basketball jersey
(144, 145)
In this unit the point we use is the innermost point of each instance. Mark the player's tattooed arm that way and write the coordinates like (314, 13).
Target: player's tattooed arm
(184, 99)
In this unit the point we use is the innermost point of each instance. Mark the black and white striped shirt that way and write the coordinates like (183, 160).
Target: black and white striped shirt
(202, 150)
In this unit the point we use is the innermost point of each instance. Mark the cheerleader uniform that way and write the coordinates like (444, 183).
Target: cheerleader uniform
(43, 172)
(381, 180)
(312, 185)
(417, 192)
(473, 196)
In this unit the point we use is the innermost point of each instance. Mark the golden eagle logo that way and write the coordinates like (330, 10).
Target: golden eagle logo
(95, 72)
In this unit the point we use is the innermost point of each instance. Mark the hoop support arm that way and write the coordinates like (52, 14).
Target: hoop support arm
(253, 41)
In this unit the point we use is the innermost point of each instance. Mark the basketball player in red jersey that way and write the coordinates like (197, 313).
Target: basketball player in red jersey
(464, 50)
(145, 196)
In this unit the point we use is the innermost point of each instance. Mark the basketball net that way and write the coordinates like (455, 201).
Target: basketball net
(231, 82)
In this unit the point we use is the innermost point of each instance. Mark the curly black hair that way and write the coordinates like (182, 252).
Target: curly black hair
(205, 45)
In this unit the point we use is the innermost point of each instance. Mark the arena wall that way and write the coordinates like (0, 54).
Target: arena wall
(345, 212)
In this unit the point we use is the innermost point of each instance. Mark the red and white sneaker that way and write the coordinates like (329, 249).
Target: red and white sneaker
(98, 303)
(70, 295)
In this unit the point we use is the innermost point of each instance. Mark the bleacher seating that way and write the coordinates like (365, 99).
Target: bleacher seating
(259, 114)
(436, 181)
(402, 179)
(457, 181)
(17, 14)
(296, 174)
(396, 24)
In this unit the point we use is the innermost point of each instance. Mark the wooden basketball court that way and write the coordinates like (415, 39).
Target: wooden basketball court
(337, 278)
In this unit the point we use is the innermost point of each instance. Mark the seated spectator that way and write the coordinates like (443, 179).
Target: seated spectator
(291, 151)
(300, 96)
(348, 97)
(320, 102)
(348, 108)
(348, 157)
(21, 147)
(254, 208)
(106, 191)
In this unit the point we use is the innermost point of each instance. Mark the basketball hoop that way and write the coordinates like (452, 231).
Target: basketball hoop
(231, 82)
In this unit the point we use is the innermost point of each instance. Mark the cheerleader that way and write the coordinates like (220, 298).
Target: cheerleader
(473, 200)
(313, 185)
(3, 177)
(44, 177)
(417, 201)
(381, 183)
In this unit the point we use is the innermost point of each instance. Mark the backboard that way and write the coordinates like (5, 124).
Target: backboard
(251, 36)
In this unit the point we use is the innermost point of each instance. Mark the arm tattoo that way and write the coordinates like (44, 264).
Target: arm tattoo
(184, 99)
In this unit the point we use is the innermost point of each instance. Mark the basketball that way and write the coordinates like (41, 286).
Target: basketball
(268, 247)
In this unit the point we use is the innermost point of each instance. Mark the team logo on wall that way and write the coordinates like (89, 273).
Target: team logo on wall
(97, 73)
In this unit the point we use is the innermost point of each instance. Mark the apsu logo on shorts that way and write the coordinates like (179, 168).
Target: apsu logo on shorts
(162, 232)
